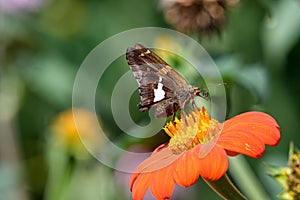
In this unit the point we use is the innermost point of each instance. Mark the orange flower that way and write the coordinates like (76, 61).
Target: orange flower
(199, 146)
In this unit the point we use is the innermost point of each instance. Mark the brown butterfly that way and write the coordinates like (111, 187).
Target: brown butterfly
(161, 88)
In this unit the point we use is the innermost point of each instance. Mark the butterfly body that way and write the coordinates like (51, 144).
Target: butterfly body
(161, 88)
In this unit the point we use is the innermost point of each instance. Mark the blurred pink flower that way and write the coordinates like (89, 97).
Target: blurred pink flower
(16, 6)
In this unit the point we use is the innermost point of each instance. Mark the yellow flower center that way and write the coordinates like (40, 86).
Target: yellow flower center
(191, 130)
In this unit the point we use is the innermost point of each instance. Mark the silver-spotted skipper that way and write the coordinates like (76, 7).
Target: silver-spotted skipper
(161, 88)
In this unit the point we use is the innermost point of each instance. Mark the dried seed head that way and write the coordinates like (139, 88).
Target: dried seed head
(196, 15)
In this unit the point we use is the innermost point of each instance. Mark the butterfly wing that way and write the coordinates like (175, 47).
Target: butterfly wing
(159, 84)
(143, 60)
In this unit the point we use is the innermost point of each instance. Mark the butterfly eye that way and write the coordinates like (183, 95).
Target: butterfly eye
(192, 91)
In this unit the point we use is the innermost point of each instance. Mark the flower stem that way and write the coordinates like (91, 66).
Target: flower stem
(225, 188)
(244, 177)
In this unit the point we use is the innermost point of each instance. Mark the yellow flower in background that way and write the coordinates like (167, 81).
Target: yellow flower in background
(166, 42)
(71, 135)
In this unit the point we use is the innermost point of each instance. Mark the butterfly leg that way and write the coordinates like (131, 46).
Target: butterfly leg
(173, 117)
(174, 109)
(195, 107)
(183, 117)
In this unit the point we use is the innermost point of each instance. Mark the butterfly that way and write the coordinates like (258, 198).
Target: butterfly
(161, 88)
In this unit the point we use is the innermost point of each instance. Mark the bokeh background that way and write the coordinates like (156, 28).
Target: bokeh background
(44, 42)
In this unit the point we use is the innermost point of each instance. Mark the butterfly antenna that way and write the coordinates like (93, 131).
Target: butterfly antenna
(222, 84)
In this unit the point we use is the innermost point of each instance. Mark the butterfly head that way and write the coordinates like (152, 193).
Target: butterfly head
(195, 91)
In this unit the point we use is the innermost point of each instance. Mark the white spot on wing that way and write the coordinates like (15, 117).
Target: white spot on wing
(159, 93)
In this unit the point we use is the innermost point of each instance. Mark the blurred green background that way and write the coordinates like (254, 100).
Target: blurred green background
(44, 42)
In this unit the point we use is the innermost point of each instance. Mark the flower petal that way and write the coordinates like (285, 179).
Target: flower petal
(160, 158)
(139, 185)
(260, 123)
(186, 171)
(162, 183)
(154, 172)
(248, 133)
(214, 165)
(242, 141)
